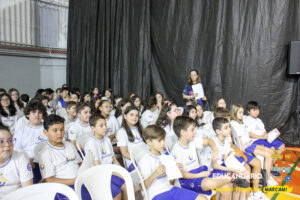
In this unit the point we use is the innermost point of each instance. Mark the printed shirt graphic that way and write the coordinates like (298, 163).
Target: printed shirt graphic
(102, 150)
(59, 162)
(28, 137)
(187, 155)
(14, 171)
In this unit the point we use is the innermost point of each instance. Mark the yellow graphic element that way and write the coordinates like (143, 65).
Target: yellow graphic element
(281, 156)
(274, 189)
(278, 189)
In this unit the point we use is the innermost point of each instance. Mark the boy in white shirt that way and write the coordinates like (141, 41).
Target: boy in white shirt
(153, 172)
(70, 116)
(256, 130)
(81, 126)
(149, 116)
(100, 146)
(32, 134)
(15, 168)
(59, 161)
(195, 177)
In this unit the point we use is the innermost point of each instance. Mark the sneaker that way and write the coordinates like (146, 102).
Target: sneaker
(275, 173)
(241, 182)
(260, 195)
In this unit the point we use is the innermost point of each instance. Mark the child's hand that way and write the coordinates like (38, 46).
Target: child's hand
(265, 136)
(195, 94)
(160, 170)
(204, 174)
(204, 98)
(180, 166)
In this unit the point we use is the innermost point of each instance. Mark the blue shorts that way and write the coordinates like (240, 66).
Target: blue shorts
(115, 185)
(36, 173)
(177, 194)
(249, 158)
(195, 183)
(276, 143)
(251, 148)
(131, 168)
(216, 172)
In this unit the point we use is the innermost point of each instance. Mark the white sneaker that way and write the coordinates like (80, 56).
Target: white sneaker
(272, 182)
(260, 195)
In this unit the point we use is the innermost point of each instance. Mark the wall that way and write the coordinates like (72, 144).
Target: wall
(27, 74)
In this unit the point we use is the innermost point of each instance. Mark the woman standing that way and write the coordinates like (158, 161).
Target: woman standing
(188, 93)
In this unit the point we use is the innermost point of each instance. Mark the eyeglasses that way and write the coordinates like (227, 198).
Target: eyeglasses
(10, 141)
(7, 100)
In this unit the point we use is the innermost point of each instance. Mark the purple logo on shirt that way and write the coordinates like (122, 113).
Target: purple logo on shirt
(29, 167)
(3, 181)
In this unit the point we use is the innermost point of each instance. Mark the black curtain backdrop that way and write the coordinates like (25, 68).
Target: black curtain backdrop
(145, 46)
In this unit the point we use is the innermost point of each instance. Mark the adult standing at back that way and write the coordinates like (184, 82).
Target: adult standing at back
(188, 93)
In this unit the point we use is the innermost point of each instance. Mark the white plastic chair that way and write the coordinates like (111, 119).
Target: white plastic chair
(170, 141)
(136, 155)
(44, 191)
(80, 142)
(237, 143)
(97, 180)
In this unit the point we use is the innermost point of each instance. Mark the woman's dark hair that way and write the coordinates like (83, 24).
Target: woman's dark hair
(115, 99)
(98, 112)
(35, 104)
(134, 98)
(217, 102)
(12, 109)
(150, 102)
(25, 98)
(84, 94)
(111, 94)
(122, 103)
(19, 101)
(187, 111)
(130, 94)
(163, 119)
(126, 126)
(92, 104)
(190, 81)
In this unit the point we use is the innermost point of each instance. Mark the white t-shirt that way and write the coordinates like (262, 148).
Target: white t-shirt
(123, 141)
(61, 112)
(208, 117)
(10, 121)
(14, 171)
(223, 148)
(28, 137)
(148, 118)
(242, 133)
(208, 131)
(112, 125)
(19, 112)
(254, 125)
(169, 130)
(21, 123)
(187, 155)
(77, 129)
(147, 166)
(101, 149)
(67, 124)
(120, 119)
(59, 162)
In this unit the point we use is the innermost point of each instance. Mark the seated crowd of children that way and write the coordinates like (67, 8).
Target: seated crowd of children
(41, 140)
